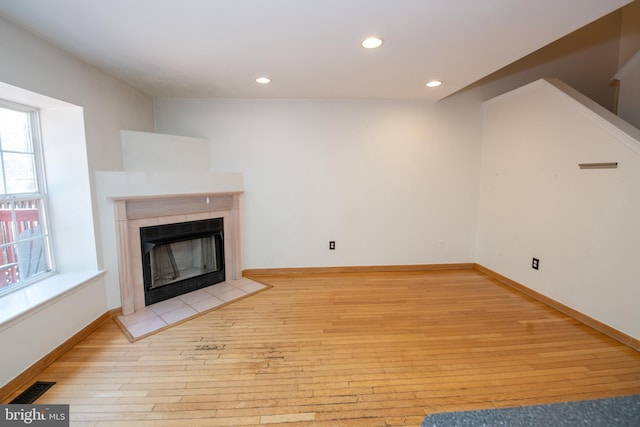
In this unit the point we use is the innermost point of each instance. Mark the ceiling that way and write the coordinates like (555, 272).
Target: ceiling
(309, 48)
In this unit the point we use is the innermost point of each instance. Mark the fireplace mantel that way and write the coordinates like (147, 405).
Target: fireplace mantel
(133, 212)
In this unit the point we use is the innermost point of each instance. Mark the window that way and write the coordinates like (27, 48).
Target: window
(25, 254)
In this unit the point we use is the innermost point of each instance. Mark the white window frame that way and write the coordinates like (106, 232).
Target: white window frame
(40, 196)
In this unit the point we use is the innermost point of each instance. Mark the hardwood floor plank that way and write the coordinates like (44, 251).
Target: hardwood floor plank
(344, 349)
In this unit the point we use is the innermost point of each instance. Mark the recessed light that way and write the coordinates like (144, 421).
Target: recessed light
(263, 80)
(434, 83)
(371, 42)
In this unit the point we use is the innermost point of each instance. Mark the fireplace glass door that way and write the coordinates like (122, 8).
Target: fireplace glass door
(182, 257)
(172, 262)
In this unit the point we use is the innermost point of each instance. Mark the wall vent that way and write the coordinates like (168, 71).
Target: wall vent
(34, 391)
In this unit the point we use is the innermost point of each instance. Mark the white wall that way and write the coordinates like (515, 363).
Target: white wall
(68, 184)
(386, 180)
(630, 32)
(629, 64)
(629, 100)
(106, 106)
(536, 202)
(25, 339)
(155, 152)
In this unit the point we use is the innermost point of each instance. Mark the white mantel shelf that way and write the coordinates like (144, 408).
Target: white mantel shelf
(173, 196)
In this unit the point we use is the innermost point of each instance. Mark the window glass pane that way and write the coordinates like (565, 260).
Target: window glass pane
(23, 243)
(31, 255)
(6, 224)
(3, 189)
(20, 173)
(8, 262)
(27, 214)
(9, 270)
(15, 131)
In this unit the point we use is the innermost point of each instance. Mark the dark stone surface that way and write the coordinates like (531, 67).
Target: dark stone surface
(613, 412)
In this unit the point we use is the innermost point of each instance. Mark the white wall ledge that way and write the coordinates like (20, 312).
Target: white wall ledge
(25, 302)
(617, 127)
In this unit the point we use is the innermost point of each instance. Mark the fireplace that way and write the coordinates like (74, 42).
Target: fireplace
(133, 213)
(181, 257)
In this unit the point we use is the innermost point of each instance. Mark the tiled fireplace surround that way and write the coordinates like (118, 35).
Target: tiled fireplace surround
(133, 212)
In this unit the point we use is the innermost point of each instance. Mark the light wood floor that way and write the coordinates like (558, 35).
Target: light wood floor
(374, 349)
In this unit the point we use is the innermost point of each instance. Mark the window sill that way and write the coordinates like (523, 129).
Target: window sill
(29, 300)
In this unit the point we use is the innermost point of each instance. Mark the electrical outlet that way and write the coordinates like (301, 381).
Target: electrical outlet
(535, 263)
(332, 245)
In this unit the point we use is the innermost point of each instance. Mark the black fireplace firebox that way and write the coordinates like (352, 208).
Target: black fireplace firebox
(182, 257)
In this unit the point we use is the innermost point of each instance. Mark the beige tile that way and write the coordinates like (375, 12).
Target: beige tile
(137, 317)
(219, 288)
(179, 314)
(146, 326)
(247, 285)
(195, 296)
(167, 305)
(199, 216)
(157, 316)
(231, 294)
(207, 304)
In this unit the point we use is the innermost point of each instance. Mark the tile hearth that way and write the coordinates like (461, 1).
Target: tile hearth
(162, 315)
